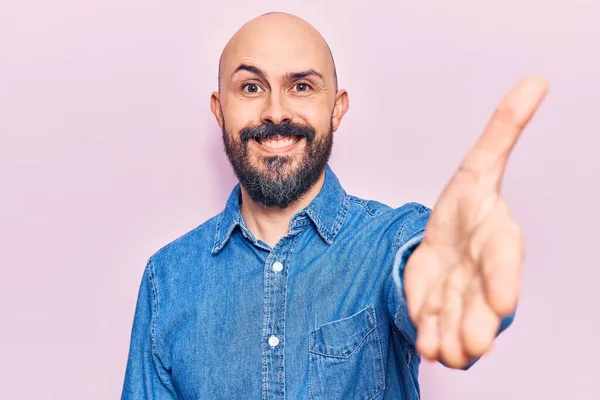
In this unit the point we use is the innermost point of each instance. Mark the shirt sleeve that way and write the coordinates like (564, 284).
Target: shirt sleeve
(410, 236)
(145, 375)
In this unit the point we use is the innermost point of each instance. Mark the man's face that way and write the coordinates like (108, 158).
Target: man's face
(277, 110)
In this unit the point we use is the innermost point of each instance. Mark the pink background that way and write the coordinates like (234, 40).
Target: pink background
(108, 151)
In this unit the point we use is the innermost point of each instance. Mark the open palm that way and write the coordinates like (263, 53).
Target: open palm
(464, 277)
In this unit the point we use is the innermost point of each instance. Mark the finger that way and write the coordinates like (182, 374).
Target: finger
(428, 324)
(428, 337)
(501, 260)
(451, 347)
(422, 273)
(490, 153)
(480, 323)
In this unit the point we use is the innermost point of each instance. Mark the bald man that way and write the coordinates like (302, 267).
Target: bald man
(298, 290)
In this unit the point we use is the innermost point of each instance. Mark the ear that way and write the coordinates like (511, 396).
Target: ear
(339, 109)
(215, 107)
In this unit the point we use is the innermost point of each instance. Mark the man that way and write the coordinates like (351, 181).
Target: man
(298, 290)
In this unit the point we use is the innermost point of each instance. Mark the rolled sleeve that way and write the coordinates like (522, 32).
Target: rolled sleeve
(398, 304)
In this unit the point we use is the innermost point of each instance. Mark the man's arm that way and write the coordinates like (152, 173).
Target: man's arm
(145, 376)
(458, 272)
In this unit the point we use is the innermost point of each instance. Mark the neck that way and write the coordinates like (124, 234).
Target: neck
(271, 224)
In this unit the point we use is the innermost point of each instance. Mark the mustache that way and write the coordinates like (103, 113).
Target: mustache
(285, 129)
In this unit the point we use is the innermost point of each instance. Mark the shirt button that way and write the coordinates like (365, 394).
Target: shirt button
(273, 341)
(277, 266)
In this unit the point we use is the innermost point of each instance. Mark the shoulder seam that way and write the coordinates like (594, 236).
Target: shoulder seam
(364, 204)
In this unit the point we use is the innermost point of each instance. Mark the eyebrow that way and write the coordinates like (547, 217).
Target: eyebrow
(289, 76)
(250, 68)
(304, 74)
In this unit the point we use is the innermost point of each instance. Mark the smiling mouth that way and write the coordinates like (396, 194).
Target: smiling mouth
(278, 142)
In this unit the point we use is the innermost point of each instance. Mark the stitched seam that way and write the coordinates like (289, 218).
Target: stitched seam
(341, 216)
(266, 310)
(364, 204)
(382, 382)
(363, 310)
(228, 234)
(310, 364)
(163, 375)
(323, 232)
(405, 344)
(220, 239)
(376, 393)
(395, 333)
(150, 273)
(353, 352)
(400, 235)
(217, 233)
(282, 306)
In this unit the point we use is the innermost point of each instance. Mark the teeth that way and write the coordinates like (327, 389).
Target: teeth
(278, 143)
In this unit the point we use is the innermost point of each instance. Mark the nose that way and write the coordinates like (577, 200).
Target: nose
(276, 109)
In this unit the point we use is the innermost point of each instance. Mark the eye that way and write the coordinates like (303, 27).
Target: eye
(251, 88)
(302, 87)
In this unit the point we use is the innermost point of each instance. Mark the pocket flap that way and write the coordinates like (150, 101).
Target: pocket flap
(341, 338)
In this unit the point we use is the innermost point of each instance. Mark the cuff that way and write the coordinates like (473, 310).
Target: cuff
(401, 317)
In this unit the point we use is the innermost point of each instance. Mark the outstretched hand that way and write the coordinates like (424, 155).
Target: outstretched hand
(464, 277)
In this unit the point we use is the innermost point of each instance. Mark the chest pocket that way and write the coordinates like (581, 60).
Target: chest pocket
(345, 359)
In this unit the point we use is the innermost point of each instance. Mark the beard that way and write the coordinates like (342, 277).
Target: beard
(278, 181)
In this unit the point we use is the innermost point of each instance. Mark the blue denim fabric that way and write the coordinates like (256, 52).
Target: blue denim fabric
(322, 315)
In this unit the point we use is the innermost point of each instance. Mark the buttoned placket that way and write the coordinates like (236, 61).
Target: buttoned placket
(276, 270)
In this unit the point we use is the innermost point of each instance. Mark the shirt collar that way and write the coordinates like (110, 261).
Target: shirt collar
(327, 211)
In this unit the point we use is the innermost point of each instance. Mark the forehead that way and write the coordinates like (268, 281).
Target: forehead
(278, 50)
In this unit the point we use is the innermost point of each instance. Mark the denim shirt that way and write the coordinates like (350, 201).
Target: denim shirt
(322, 315)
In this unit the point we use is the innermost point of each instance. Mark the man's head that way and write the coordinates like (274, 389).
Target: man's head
(278, 105)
